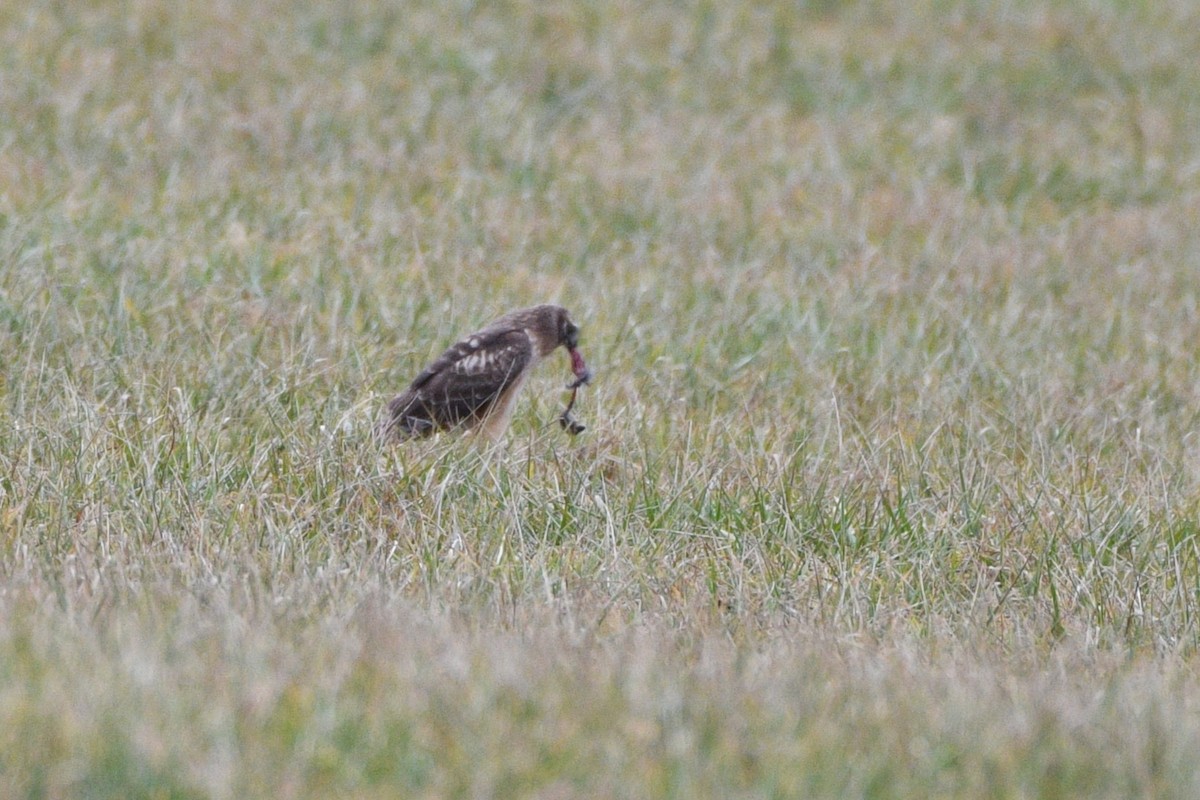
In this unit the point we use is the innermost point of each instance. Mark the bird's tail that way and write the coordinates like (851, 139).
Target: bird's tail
(406, 419)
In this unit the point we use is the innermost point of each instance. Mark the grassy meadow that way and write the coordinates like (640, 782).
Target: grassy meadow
(891, 485)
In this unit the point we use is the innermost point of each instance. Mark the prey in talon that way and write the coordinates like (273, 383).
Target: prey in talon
(474, 384)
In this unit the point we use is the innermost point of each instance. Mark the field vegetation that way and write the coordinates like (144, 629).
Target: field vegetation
(891, 486)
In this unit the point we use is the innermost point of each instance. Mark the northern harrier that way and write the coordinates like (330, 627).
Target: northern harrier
(476, 381)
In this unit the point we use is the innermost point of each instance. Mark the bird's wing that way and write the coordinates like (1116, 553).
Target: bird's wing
(463, 383)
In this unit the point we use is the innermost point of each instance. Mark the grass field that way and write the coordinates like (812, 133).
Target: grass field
(891, 486)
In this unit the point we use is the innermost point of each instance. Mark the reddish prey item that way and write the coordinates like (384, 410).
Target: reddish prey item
(582, 373)
(582, 376)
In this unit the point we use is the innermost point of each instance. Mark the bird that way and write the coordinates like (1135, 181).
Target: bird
(474, 384)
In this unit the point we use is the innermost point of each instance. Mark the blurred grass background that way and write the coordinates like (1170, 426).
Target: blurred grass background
(890, 482)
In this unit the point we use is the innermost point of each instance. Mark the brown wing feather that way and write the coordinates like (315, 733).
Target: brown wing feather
(462, 384)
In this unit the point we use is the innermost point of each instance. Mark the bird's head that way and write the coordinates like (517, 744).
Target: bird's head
(568, 332)
(558, 328)
(568, 336)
